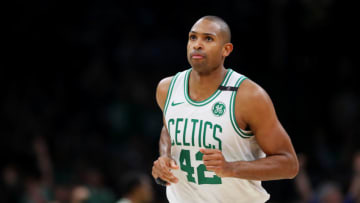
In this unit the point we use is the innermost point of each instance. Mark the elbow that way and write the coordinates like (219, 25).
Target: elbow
(293, 167)
(293, 173)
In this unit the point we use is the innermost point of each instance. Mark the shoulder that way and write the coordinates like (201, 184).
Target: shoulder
(162, 90)
(252, 101)
(249, 91)
(163, 85)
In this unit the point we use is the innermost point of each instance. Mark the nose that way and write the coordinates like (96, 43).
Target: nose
(198, 45)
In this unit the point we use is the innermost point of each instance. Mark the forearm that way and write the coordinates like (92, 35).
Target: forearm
(165, 143)
(162, 167)
(273, 167)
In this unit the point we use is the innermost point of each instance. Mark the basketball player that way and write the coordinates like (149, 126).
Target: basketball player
(221, 136)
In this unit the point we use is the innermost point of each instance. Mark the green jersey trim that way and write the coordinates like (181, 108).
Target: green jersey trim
(235, 125)
(168, 96)
(209, 99)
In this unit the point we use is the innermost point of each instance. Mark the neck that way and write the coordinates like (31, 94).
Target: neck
(209, 77)
(202, 85)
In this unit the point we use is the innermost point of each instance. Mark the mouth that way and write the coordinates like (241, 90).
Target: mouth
(197, 56)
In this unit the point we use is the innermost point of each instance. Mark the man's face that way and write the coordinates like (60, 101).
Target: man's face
(205, 46)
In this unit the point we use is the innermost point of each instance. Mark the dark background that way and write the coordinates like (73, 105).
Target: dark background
(82, 76)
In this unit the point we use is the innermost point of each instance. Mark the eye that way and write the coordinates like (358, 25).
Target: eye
(209, 39)
(192, 37)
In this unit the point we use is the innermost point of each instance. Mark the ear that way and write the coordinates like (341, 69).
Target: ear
(227, 49)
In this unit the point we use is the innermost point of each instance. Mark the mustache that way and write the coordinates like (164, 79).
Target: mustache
(197, 53)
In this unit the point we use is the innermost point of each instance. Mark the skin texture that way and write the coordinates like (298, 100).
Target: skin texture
(207, 48)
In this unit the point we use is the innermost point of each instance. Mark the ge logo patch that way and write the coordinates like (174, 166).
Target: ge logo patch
(218, 109)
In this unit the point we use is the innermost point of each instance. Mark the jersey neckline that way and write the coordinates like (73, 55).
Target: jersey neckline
(209, 99)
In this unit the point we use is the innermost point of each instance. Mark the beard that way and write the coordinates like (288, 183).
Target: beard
(202, 66)
(198, 65)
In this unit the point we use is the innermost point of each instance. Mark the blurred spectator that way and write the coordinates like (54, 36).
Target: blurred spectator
(328, 191)
(135, 188)
(62, 193)
(35, 191)
(354, 192)
(80, 194)
(38, 188)
(10, 187)
(96, 189)
(302, 181)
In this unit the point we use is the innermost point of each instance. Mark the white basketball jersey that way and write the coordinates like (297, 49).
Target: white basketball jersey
(208, 124)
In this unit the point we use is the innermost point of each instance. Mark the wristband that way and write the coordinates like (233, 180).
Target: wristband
(160, 181)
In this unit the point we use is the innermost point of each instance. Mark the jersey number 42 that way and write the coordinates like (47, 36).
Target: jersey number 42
(185, 165)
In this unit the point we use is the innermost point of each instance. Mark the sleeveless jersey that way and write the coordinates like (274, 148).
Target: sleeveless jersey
(208, 124)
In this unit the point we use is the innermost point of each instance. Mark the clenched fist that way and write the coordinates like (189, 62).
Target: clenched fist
(215, 161)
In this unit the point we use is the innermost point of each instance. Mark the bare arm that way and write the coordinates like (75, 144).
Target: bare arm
(164, 163)
(254, 108)
(165, 143)
(259, 114)
(161, 94)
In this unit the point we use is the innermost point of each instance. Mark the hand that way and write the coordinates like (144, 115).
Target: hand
(215, 161)
(162, 167)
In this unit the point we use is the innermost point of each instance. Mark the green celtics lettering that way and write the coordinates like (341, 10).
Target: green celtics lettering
(194, 132)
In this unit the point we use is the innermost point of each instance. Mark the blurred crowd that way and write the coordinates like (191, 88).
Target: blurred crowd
(85, 185)
(330, 190)
(79, 121)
